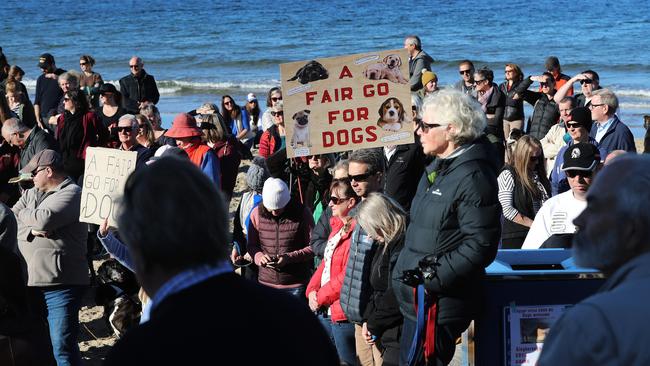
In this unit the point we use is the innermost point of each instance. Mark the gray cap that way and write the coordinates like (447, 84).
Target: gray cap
(45, 157)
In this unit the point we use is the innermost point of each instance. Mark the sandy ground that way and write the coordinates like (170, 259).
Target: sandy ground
(96, 339)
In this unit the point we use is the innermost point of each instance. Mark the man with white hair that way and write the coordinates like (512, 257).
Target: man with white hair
(127, 131)
(30, 141)
(610, 327)
(611, 133)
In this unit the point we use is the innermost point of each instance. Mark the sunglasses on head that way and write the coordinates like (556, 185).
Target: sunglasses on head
(124, 129)
(583, 173)
(360, 177)
(586, 81)
(337, 200)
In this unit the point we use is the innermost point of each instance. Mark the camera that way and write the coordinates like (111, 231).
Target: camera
(426, 271)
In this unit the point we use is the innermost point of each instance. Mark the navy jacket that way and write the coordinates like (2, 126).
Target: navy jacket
(617, 137)
(608, 328)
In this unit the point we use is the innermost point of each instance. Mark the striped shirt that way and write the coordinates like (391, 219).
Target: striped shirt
(506, 188)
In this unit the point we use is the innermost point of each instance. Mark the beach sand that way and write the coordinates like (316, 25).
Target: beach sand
(96, 339)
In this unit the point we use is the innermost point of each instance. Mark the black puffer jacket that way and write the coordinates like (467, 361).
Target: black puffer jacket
(403, 171)
(135, 89)
(457, 218)
(546, 112)
(514, 109)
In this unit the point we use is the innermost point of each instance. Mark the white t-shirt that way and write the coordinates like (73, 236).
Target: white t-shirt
(555, 217)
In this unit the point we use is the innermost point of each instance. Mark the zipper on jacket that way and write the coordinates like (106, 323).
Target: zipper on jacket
(277, 249)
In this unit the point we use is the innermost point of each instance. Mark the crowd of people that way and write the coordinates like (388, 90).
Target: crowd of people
(386, 247)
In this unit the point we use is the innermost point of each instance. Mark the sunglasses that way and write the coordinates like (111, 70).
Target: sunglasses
(465, 72)
(277, 114)
(582, 173)
(124, 129)
(82, 63)
(227, 103)
(586, 81)
(543, 84)
(425, 127)
(360, 177)
(574, 125)
(275, 99)
(142, 126)
(65, 99)
(479, 81)
(337, 200)
(134, 66)
(509, 71)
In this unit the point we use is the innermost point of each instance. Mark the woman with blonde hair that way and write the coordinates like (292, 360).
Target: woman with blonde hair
(385, 221)
(523, 188)
(145, 135)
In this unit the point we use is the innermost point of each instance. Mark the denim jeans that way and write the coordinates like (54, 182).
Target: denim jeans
(61, 306)
(342, 336)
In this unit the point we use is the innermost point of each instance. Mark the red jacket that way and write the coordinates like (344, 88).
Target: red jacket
(329, 294)
(270, 142)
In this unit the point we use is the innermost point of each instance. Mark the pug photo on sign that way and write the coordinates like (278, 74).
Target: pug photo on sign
(300, 129)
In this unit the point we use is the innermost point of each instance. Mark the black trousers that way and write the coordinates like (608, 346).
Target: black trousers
(446, 335)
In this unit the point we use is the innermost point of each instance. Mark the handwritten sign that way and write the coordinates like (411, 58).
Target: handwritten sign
(103, 183)
(347, 103)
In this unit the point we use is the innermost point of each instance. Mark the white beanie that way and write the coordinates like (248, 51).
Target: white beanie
(275, 194)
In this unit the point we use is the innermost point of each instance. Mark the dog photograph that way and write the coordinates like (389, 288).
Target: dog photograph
(391, 115)
(300, 129)
(312, 71)
(388, 69)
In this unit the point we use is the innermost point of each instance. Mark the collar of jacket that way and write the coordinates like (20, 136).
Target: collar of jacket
(638, 267)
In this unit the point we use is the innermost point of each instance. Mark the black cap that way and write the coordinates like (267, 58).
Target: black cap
(551, 63)
(582, 115)
(581, 156)
(45, 60)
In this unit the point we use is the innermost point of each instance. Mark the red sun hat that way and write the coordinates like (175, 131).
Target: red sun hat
(184, 125)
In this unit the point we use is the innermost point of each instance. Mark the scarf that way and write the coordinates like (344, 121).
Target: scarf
(483, 98)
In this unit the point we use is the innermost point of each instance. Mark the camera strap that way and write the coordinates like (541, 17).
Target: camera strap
(425, 331)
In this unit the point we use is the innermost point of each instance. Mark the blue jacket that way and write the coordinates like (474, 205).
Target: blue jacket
(608, 328)
(617, 137)
(356, 290)
(245, 121)
(559, 183)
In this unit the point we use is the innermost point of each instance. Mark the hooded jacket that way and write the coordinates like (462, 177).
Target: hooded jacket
(456, 217)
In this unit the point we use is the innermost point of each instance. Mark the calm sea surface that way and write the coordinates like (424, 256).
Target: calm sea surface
(199, 51)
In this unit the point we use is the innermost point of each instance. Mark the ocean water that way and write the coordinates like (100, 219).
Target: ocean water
(199, 51)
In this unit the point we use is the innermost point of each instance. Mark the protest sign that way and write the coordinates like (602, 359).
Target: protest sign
(347, 103)
(103, 183)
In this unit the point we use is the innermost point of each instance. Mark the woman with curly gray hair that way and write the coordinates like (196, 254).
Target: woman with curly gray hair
(454, 230)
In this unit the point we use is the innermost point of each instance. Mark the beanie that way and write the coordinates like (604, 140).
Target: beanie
(275, 194)
(257, 174)
(582, 115)
(428, 76)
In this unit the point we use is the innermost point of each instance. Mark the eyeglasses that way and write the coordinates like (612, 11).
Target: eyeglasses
(134, 66)
(425, 127)
(582, 173)
(337, 200)
(124, 129)
(465, 72)
(592, 106)
(574, 125)
(274, 99)
(277, 114)
(360, 177)
(586, 81)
